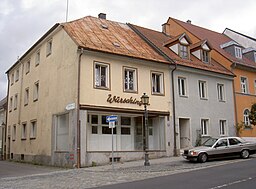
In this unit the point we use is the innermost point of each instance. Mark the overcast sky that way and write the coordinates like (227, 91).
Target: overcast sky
(23, 22)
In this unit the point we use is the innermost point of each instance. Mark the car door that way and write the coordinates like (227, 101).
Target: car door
(235, 146)
(220, 149)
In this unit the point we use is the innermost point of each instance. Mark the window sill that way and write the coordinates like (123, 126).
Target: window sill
(222, 101)
(102, 88)
(23, 138)
(157, 94)
(32, 138)
(183, 96)
(203, 98)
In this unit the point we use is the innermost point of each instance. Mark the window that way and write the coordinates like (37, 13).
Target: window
(125, 125)
(26, 97)
(221, 92)
(255, 86)
(204, 127)
(12, 78)
(130, 79)
(49, 48)
(37, 59)
(222, 127)
(17, 75)
(182, 86)
(254, 56)
(157, 83)
(238, 52)
(10, 105)
(14, 133)
(62, 133)
(205, 56)
(94, 121)
(36, 91)
(15, 102)
(244, 87)
(33, 128)
(24, 131)
(27, 67)
(202, 89)
(101, 75)
(233, 141)
(222, 143)
(246, 118)
(183, 51)
(105, 127)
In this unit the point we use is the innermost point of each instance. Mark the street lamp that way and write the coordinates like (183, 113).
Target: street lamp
(145, 102)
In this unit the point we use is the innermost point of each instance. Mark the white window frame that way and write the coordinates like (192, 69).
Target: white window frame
(157, 83)
(182, 86)
(238, 52)
(37, 58)
(36, 91)
(244, 85)
(15, 103)
(26, 97)
(183, 51)
(223, 127)
(205, 56)
(17, 75)
(10, 104)
(49, 48)
(27, 66)
(98, 81)
(14, 132)
(33, 129)
(24, 131)
(221, 92)
(12, 78)
(205, 127)
(203, 89)
(247, 122)
(130, 84)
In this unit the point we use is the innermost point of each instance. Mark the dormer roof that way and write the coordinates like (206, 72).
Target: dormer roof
(178, 39)
(250, 49)
(203, 44)
(230, 43)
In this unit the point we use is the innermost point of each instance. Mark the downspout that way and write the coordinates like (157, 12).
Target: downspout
(174, 113)
(233, 66)
(78, 112)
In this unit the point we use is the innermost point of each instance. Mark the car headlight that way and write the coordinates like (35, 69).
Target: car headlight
(193, 153)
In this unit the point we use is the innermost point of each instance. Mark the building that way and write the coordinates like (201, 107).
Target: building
(202, 88)
(244, 40)
(233, 56)
(61, 90)
(3, 108)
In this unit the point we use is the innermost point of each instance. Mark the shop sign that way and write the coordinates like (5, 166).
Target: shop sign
(117, 99)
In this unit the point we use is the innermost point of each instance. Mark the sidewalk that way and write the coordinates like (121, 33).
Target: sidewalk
(105, 175)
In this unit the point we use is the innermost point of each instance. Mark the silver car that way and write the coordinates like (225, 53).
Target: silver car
(223, 147)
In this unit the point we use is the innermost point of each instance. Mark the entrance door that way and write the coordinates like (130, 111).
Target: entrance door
(184, 125)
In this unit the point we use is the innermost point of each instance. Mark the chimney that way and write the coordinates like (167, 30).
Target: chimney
(102, 16)
(189, 21)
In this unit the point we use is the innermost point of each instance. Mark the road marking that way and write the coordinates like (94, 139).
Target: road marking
(232, 183)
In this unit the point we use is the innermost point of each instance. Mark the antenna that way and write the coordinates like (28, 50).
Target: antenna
(67, 11)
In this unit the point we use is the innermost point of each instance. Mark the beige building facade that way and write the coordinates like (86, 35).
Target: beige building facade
(63, 88)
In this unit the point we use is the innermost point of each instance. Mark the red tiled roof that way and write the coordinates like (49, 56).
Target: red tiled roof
(111, 37)
(158, 39)
(216, 39)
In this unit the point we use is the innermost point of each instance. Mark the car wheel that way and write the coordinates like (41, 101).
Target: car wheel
(202, 158)
(245, 154)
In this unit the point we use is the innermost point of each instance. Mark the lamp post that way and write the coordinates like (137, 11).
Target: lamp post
(145, 102)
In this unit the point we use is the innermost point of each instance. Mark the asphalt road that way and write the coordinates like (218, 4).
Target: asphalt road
(230, 176)
(13, 169)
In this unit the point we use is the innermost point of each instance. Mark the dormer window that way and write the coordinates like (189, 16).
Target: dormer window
(238, 52)
(183, 51)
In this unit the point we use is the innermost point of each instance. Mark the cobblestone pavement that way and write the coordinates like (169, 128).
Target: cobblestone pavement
(104, 175)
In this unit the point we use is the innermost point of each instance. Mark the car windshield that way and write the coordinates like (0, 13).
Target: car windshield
(210, 142)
